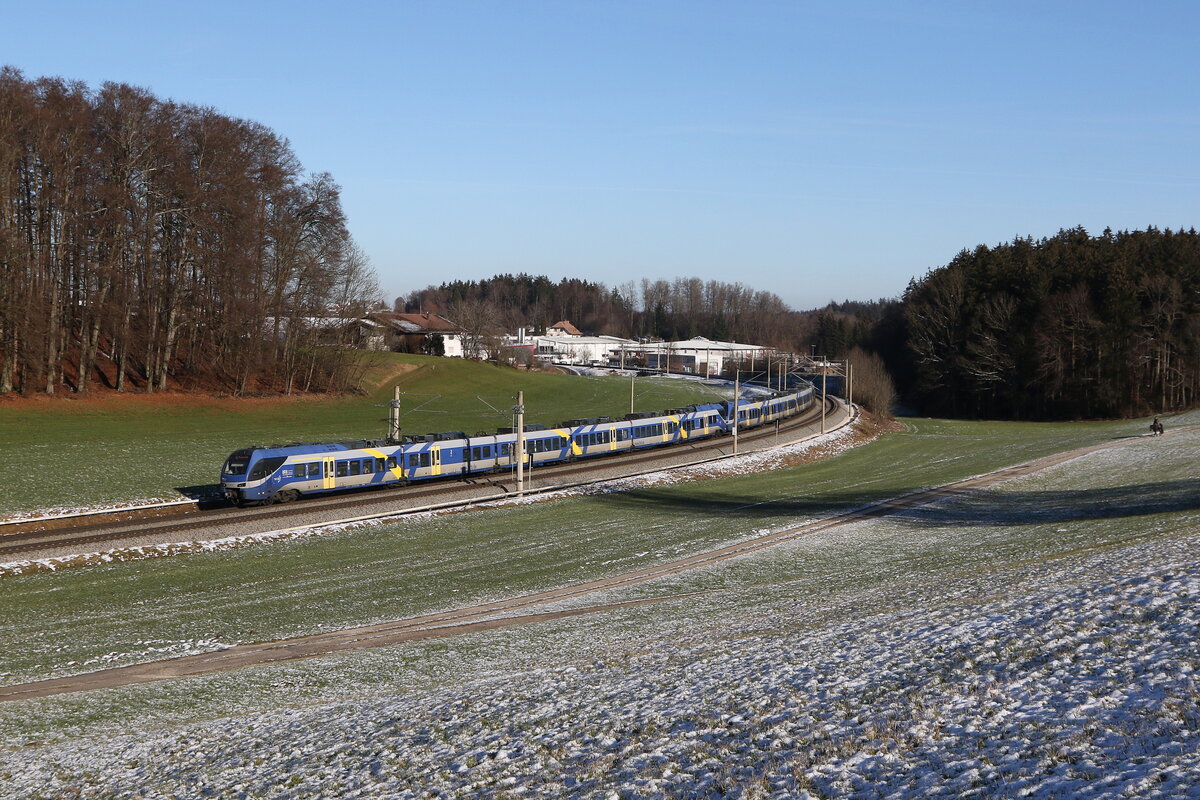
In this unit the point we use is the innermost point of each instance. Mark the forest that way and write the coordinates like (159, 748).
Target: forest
(1072, 326)
(147, 244)
(678, 309)
(1066, 327)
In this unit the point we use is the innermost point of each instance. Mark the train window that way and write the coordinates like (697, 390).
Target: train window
(368, 466)
(487, 451)
(391, 462)
(314, 470)
(238, 462)
(355, 468)
(341, 469)
(379, 465)
(265, 467)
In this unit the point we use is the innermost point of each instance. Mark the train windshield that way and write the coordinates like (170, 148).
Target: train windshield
(237, 463)
(266, 466)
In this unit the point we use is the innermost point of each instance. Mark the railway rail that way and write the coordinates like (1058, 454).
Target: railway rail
(66, 534)
(512, 611)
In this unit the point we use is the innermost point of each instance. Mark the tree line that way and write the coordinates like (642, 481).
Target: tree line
(1071, 326)
(660, 309)
(1066, 327)
(146, 243)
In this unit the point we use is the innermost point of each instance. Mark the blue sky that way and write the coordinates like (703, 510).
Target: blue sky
(818, 150)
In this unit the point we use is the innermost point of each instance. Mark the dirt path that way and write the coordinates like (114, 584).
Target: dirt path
(513, 611)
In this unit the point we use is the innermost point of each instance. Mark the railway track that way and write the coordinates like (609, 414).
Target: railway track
(96, 530)
(512, 611)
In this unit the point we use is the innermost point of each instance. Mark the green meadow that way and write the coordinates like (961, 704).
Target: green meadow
(69, 453)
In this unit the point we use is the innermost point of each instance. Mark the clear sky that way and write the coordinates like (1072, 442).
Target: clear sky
(819, 150)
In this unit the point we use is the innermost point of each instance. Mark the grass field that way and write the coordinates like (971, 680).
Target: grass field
(124, 613)
(1035, 638)
(76, 453)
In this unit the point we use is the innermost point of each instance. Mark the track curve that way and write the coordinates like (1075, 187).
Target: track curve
(512, 611)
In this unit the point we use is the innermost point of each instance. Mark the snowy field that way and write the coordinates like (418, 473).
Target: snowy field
(1037, 639)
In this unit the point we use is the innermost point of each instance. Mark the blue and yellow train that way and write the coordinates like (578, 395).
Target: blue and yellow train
(257, 475)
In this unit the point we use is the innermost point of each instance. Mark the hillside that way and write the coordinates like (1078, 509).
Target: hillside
(1036, 637)
(117, 449)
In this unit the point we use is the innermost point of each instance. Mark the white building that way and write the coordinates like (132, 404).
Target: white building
(411, 332)
(700, 356)
(563, 328)
(582, 350)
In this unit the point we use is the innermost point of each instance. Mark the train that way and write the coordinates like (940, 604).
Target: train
(282, 473)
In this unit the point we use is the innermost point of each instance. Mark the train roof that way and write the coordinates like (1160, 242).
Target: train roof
(300, 448)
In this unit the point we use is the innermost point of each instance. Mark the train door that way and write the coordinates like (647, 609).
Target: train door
(436, 463)
(328, 483)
